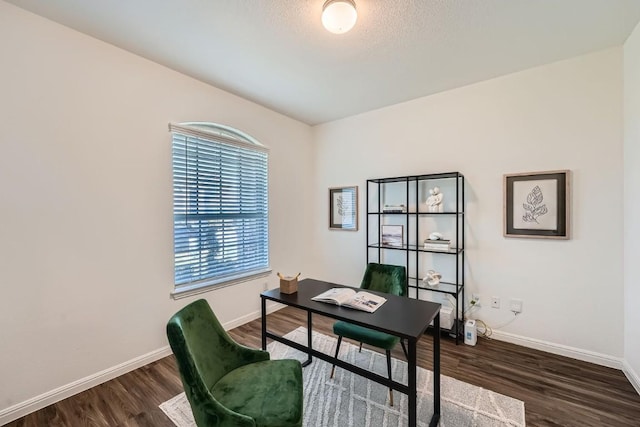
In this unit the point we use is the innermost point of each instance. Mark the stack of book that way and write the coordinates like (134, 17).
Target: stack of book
(394, 209)
(437, 245)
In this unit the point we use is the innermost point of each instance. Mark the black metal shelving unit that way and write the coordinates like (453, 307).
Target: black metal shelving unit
(412, 249)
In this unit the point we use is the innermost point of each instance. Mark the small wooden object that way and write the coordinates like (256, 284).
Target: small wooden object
(288, 284)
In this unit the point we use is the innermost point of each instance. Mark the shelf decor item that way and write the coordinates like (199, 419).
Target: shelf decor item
(434, 201)
(536, 205)
(343, 208)
(392, 235)
(432, 278)
(394, 209)
(437, 244)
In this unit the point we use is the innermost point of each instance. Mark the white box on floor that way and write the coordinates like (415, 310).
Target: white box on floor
(470, 333)
(446, 317)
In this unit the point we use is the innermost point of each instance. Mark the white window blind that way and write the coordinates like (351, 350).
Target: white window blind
(220, 205)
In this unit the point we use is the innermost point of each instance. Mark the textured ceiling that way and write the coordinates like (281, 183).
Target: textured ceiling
(276, 52)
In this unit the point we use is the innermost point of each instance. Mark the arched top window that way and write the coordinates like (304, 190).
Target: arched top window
(223, 131)
(220, 206)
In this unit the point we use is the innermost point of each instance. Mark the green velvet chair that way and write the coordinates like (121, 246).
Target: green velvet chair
(229, 385)
(391, 279)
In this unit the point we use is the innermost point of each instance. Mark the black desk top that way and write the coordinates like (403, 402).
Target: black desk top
(400, 316)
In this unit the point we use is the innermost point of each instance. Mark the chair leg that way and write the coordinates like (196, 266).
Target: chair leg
(360, 349)
(404, 349)
(389, 370)
(333, 368)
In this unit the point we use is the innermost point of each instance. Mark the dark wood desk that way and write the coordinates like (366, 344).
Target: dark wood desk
(403, 317)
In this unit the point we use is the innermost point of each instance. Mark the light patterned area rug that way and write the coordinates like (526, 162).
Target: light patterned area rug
(351, 400)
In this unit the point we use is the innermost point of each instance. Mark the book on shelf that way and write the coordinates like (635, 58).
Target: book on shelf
(438, 245)
(394, 209)
(349, 297)
(437, 248)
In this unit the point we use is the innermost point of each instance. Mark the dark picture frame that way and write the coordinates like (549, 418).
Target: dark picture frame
(536, 204)
(343, 208)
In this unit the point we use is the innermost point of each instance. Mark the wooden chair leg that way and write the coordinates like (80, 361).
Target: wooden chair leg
(389, 370)
(333, 368)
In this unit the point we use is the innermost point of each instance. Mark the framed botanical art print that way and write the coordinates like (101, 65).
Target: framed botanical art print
(343, 208)
(536, 204)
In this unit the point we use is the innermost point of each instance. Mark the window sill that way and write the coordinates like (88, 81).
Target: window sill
(190, 289)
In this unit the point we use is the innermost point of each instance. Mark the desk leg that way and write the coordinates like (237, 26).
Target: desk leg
(413, 393)
(436, 372)
(264, 323)
(309, 341)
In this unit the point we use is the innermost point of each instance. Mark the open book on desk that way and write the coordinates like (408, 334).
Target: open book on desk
(348, 297)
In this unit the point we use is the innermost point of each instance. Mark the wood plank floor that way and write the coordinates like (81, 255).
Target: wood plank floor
(557, 391)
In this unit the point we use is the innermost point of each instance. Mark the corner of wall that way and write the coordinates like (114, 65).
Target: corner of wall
(631, 375)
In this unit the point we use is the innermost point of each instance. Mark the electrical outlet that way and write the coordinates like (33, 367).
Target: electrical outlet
(516, 305)
(475, 300)
(495, 302)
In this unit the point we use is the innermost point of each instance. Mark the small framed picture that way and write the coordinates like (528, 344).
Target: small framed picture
(391, 235)
(343, 208)
(536, 204)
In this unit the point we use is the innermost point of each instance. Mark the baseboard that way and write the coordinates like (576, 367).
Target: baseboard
(19, 410)
(632, 375)
(36, 403)
(559, 349)
(251, 316)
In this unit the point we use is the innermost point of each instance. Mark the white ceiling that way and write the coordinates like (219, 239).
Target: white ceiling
(276, 52)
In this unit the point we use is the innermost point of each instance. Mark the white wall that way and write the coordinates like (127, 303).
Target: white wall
(632, 206)
(86, 221)
(567, 115)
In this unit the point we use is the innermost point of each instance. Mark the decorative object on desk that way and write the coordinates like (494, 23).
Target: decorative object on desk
(343, 208)
(288, 284)
(348, 297)
(432, 278)
(536, 204)
(350, 400)
(392, 235)
(434, 201)
(394, 209)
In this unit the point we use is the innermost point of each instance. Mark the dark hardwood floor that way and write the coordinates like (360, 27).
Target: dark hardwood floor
(557, 391)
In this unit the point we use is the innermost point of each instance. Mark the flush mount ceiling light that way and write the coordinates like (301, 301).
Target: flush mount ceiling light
(339, 16)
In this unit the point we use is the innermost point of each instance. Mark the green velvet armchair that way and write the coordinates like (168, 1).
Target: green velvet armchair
(229, 385)
(391, 279)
